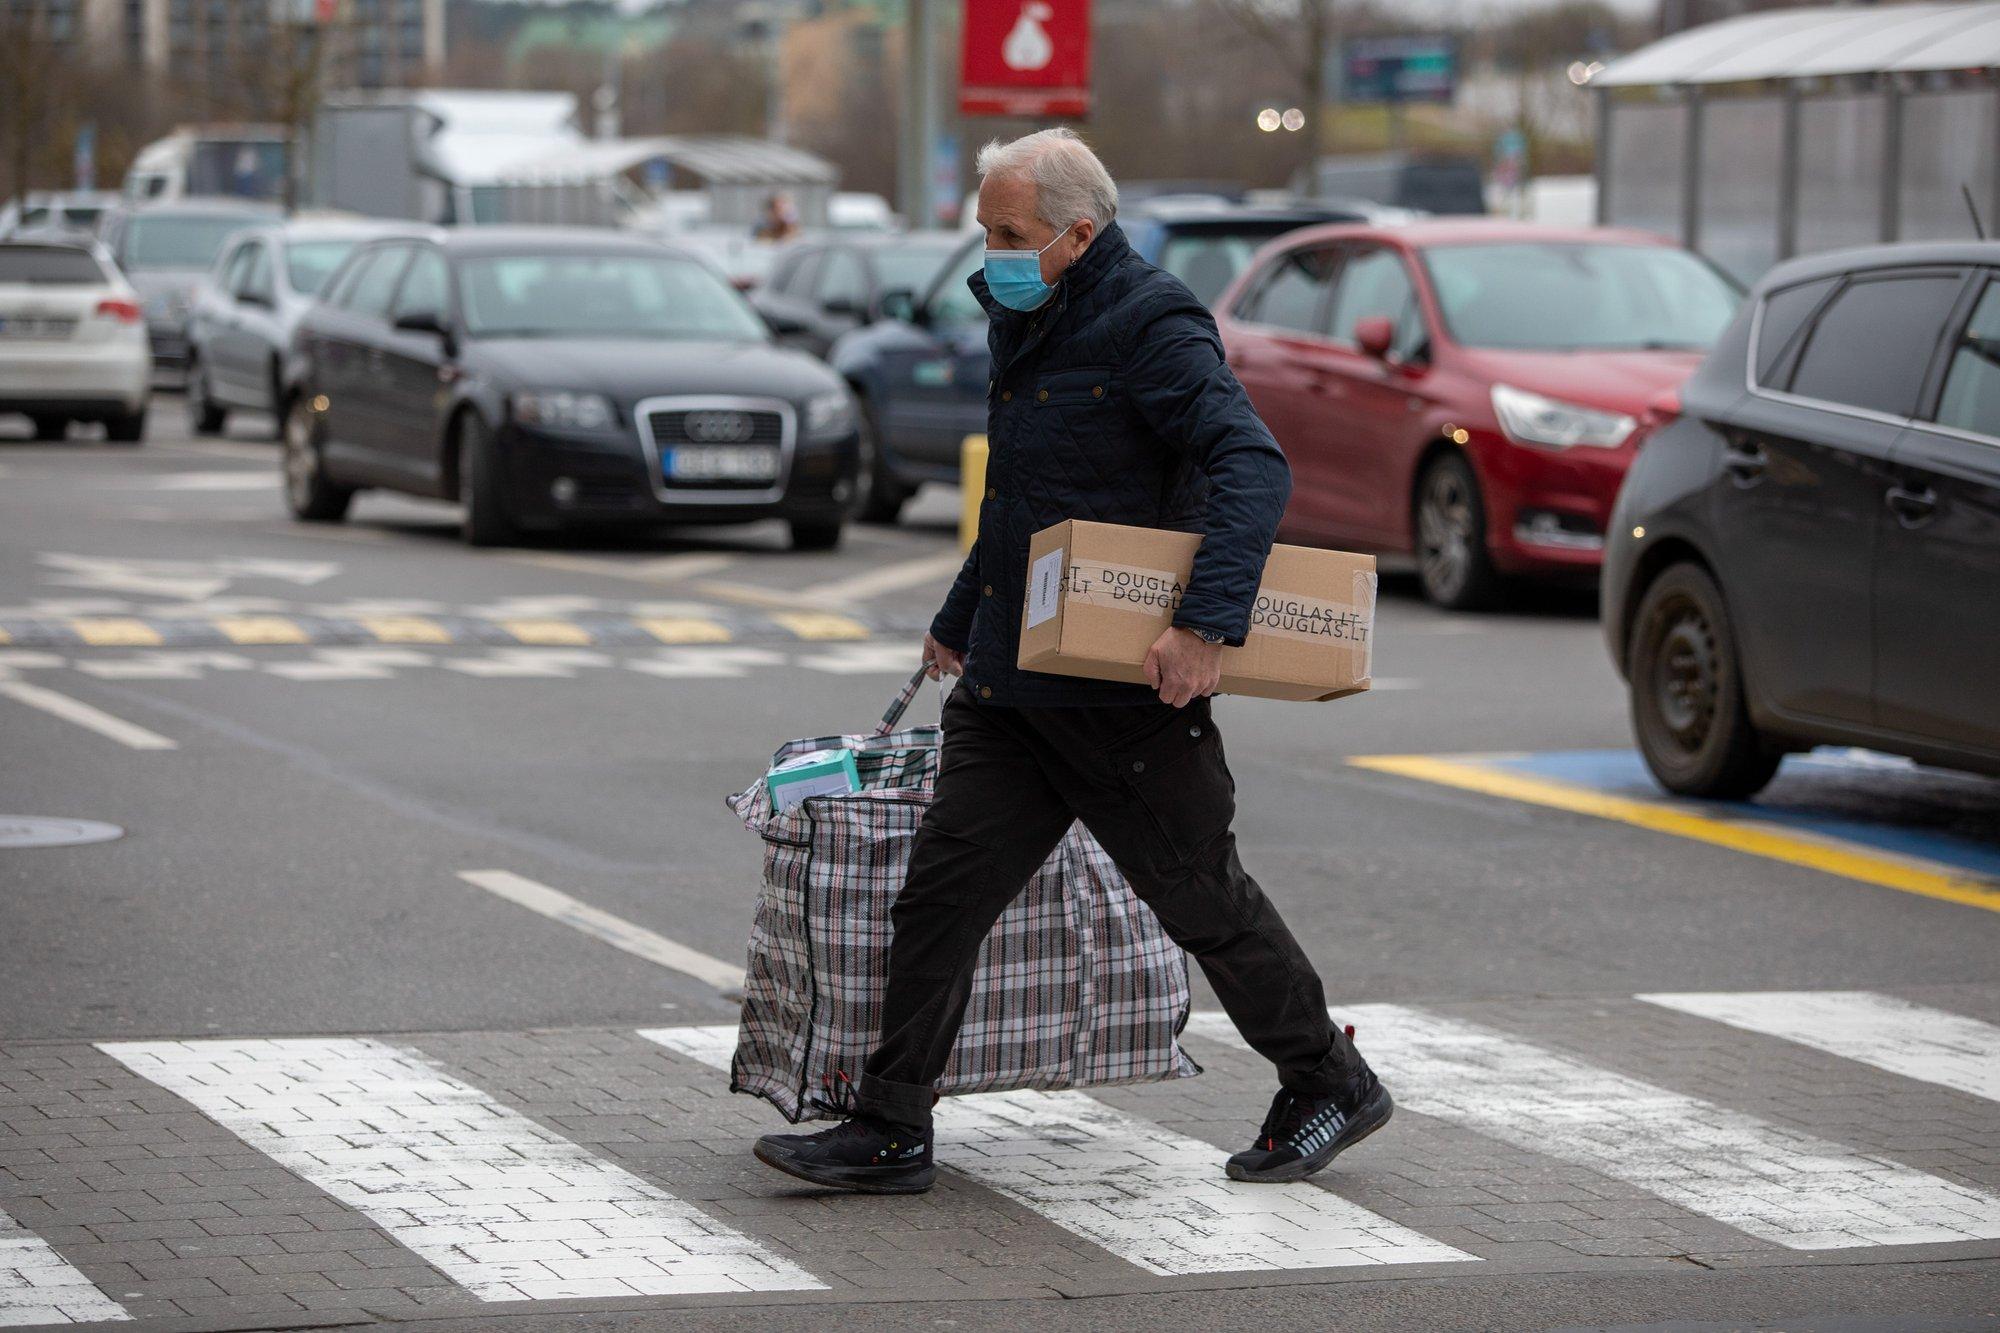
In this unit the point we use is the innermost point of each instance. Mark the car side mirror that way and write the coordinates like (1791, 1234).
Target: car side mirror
(897, 303)
(839, 305)
(422, 321)
(1374, 335)
(256, 298)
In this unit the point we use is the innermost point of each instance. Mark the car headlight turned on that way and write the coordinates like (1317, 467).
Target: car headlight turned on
(1529, 418)
(830, 414)
(560, 409)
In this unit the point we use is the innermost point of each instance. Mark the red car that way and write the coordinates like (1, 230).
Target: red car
(1466, 391)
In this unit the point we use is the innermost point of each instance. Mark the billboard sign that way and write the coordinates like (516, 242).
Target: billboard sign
(1399, 69)
(1025, 58)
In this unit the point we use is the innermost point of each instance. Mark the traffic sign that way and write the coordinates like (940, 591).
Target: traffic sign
(1399, 69)
(1025, 58)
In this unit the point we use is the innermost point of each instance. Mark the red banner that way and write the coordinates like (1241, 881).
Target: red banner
(1025, 58)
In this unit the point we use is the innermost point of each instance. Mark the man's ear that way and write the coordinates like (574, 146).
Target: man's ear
(1085, 232)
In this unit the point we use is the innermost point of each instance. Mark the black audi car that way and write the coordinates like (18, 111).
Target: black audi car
(549, 378)
(1807, 549)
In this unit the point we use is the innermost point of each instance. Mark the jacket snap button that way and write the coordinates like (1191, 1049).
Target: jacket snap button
(1195, 732)
(1042, 396)
(992, 493)
(986, 691)
(1006, 395)
(1097, 391)
(989, 590)
(1138, 766)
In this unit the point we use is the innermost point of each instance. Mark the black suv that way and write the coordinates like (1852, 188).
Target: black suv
(1807, 549)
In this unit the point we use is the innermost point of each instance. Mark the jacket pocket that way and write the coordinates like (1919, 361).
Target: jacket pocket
(1080, 386)
(1176, 773)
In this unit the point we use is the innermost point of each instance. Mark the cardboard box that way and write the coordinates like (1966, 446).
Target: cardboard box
(1099, 594)
(821, 773)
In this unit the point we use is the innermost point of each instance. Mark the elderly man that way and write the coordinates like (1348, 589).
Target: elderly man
(1109, 400)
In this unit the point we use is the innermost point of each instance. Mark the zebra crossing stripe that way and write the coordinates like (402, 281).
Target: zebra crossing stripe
(39, 1286)
(1150, 1196)
(1783, 1185)
(1914, 1040)
(498, 1204)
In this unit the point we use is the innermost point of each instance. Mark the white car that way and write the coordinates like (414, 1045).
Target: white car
(72, 340)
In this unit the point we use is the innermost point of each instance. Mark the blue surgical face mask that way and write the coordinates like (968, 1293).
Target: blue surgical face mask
(1015, 276)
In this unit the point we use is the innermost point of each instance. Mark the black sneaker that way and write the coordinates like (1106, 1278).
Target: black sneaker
(1300, 1136)
(858, 1154)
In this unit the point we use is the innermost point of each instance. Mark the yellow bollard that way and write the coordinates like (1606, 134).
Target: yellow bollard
(971, 488)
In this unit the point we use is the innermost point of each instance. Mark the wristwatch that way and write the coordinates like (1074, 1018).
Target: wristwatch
(1205, 635)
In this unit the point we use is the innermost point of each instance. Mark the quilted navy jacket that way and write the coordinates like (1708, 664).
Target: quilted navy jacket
(1113, 403)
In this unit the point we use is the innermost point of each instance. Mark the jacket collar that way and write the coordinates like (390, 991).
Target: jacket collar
(1105, 251)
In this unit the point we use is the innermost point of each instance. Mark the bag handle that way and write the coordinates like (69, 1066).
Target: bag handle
(901, 703)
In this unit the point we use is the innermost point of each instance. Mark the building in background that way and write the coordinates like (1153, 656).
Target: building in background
(1792, 131)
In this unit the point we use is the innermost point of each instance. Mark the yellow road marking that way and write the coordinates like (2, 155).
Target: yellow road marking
(820, 625)
(683, 629)
(547, 632)
(1833, 856)
(5, 637)
(405, 629)
(260, 629)
(116, 632)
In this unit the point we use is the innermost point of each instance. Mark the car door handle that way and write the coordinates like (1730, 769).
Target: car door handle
(1745, 463)
(1911, 508)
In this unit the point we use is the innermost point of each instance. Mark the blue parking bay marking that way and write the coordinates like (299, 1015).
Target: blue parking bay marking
(1832, 793)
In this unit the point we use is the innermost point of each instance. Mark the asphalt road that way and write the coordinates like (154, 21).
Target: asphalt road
(300, 817)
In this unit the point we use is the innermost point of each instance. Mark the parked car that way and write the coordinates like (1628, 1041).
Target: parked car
(166, 250)
(825, 287)
(921, 368)
(1466, 392)
(72, 342)
(1807, 550)
(68, 212)
(1441, 183)
(731, 251)
(854, 210)
(555, 377)
(242, 317)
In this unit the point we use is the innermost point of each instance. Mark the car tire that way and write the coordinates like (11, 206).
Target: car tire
(126, 427)
(815, 534)
(486, 521)
(879, 495)
(1689, 705)
(204, 417)
(1453, 564)
(49, 427)
(309, 494)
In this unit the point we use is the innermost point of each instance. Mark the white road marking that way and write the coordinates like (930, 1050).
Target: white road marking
(1395, 683)
(39, 1286)
(29, 659)
(1780, 1184)
(886, 578)
(859, 659)
(162, 664)
(85, 715)
(498, 1204)
(1914, 1040)
(660, 569)
(215, 481)
(704, 663)
(613, 930)
(526, 663)
(1146, 1194)
(187, 580)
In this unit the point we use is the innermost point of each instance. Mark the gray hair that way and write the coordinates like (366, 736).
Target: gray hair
(1070, 183)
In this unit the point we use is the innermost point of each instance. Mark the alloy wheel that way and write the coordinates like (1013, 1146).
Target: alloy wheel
(301, 458)
(1444, 531)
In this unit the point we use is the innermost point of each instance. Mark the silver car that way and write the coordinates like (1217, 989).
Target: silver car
(72, 347)
(242, 315)
(166, 249)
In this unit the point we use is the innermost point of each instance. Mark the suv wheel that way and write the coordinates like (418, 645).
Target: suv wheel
(126, 427)
(48, 427)
(1452, 561)
(815, 534)
(486, 521)
(878, 496)
(204, 417)
(311, 497)
(1688, 704)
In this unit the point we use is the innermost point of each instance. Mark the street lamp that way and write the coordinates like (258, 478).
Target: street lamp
(1293, 119)
(1268, 119)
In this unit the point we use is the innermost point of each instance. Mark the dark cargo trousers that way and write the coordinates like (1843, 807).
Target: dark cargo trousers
(1151, 783)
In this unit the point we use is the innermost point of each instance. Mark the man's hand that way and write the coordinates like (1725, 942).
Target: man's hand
(940, 661)
(1182, 666)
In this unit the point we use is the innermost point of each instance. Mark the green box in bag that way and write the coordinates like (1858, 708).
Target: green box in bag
(821, 773)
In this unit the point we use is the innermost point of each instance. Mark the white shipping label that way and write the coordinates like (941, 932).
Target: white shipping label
(1045, 587)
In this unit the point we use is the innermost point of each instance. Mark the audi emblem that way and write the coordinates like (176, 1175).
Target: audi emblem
(719, 427)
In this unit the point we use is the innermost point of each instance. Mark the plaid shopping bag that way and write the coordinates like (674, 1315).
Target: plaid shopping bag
(1076, 985)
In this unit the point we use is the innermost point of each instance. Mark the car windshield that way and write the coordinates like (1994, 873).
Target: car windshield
(188, 240)
(1207, 258)
(601, 295)
(308, 264)
(48, 266)
(1573, 296)
(911, 268)
(953, 302)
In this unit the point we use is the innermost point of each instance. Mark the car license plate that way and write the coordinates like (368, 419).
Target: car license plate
(722, 462)
(32, 326)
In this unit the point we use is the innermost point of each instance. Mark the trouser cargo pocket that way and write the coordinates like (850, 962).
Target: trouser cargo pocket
(1174, 770)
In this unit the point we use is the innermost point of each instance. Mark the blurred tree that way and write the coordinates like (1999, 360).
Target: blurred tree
(1302, 37)
(33, 95)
